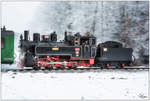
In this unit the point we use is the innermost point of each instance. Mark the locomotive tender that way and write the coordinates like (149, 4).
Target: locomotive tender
(74, 51)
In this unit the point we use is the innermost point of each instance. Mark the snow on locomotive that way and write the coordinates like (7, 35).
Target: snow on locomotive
(74, 51)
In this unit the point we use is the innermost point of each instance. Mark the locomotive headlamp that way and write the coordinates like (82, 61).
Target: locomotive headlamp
(105, 49)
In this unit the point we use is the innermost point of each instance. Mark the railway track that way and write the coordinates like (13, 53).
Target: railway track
(85, 69)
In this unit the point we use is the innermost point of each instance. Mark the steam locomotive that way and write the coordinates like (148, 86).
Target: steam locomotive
(72, 52)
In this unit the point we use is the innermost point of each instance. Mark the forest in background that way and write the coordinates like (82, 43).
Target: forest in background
(126, 22)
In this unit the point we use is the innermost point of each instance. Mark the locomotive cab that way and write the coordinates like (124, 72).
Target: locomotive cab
(88, 41)
(88, 44)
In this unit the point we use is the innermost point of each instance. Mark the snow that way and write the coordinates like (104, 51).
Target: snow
(93, 84)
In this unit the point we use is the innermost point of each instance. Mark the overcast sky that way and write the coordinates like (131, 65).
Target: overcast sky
(17, 16)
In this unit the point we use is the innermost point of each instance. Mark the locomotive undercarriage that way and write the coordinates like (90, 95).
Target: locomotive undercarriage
(48, 62)
(60, 63)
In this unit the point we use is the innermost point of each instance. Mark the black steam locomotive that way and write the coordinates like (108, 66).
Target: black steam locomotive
(74, 51)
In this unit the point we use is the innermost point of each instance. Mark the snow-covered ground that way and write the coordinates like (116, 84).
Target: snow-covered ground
(93, 84)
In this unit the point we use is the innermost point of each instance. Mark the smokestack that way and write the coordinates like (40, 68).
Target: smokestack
(26, 34)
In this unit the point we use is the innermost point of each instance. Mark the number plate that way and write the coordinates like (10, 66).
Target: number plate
(55, 49)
